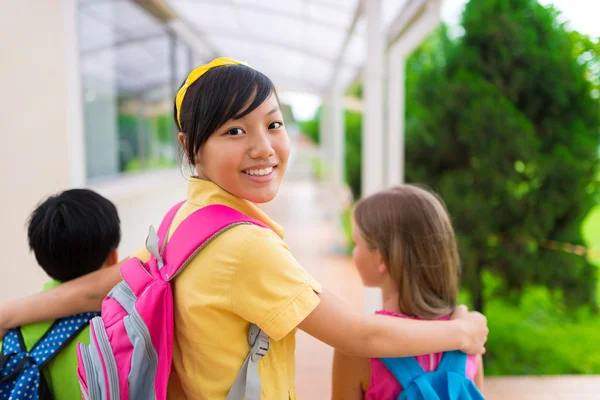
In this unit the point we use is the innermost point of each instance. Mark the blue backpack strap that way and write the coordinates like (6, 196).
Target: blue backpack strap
(454, 361)
(13, 355)
(21, 377)
(404, 369)
(60, 334)
(459, 385)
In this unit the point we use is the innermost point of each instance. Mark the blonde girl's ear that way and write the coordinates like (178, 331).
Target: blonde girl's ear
(381, 267)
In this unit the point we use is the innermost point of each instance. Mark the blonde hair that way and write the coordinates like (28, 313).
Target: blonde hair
(411, 229)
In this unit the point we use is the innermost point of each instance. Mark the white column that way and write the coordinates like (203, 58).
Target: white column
(325, 135)
(373, 127)
(396, 114)
(337, 134)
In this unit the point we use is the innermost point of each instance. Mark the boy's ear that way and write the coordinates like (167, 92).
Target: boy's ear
(112, 259)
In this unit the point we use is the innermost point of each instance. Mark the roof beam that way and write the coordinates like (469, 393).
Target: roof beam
(123, 42)
(244, 37)
(413, 12)
(194, 38)
(298, 85)
(268, 10)
(416, 33)
(401, 25)
(329, 4)
(158, 8)
(163, 10)
(340, 57)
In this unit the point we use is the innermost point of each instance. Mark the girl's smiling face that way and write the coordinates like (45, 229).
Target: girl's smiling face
(247, 156)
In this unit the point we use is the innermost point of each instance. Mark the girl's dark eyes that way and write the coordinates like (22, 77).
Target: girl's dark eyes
(235, 132)
(239, 131)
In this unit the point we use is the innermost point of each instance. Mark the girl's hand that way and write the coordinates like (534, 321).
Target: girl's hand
(375, 336)
(475, 329)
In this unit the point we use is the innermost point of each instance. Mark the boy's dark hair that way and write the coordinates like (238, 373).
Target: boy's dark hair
(216, 97)
(73, 233)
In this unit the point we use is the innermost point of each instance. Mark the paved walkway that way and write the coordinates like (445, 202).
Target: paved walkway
(309, 212)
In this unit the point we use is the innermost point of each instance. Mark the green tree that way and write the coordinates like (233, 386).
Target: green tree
(587, 51)
(503, 123)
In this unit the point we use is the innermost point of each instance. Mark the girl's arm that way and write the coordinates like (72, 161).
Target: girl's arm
(351, 377)
(79, 295)
(479, 374)
(374, 336)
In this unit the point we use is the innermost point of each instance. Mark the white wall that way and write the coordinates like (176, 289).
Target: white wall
(34, 134)
(142, 201)
(41, 139)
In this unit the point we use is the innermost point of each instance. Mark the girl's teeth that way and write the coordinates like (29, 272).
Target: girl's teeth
(259, 172)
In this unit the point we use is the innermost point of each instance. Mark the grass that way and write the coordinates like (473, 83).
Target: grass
(534, 341)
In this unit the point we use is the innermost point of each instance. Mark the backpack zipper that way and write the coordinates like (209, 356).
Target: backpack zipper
(126, 290)
(108, 357)
(138, 324)
(92, 384)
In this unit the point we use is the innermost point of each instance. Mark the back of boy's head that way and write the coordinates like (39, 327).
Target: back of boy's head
(411, 229)
(73, 233)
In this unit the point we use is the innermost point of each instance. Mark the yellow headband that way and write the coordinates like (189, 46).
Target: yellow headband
(197, 73)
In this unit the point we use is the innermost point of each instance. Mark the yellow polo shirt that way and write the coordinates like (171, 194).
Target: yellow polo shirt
(246, 275)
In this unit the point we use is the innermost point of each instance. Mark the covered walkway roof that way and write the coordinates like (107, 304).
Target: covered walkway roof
(300, 44)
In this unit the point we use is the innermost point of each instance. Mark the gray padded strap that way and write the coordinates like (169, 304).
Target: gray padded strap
(247, 384)
(152, 246)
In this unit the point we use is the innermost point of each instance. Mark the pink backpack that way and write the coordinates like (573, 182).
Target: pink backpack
(130, 350)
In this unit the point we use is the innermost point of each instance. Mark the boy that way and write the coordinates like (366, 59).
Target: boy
(71, 234)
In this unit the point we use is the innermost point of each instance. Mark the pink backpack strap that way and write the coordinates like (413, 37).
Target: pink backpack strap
(165, 225)
(197, 231)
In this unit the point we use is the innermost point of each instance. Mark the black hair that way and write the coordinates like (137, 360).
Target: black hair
(73, 233)
(216, 97)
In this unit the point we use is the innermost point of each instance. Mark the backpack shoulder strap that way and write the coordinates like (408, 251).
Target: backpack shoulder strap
(13, 346)
(60, 334)
(404, 369)
(454, 361)
(155, 243)
(14, 358)
(197, 231)
(13, 342)
(165, 225)
(247, 384)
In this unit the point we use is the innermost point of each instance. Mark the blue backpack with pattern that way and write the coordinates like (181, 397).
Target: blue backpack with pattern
(21, 371)
(448, 382)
